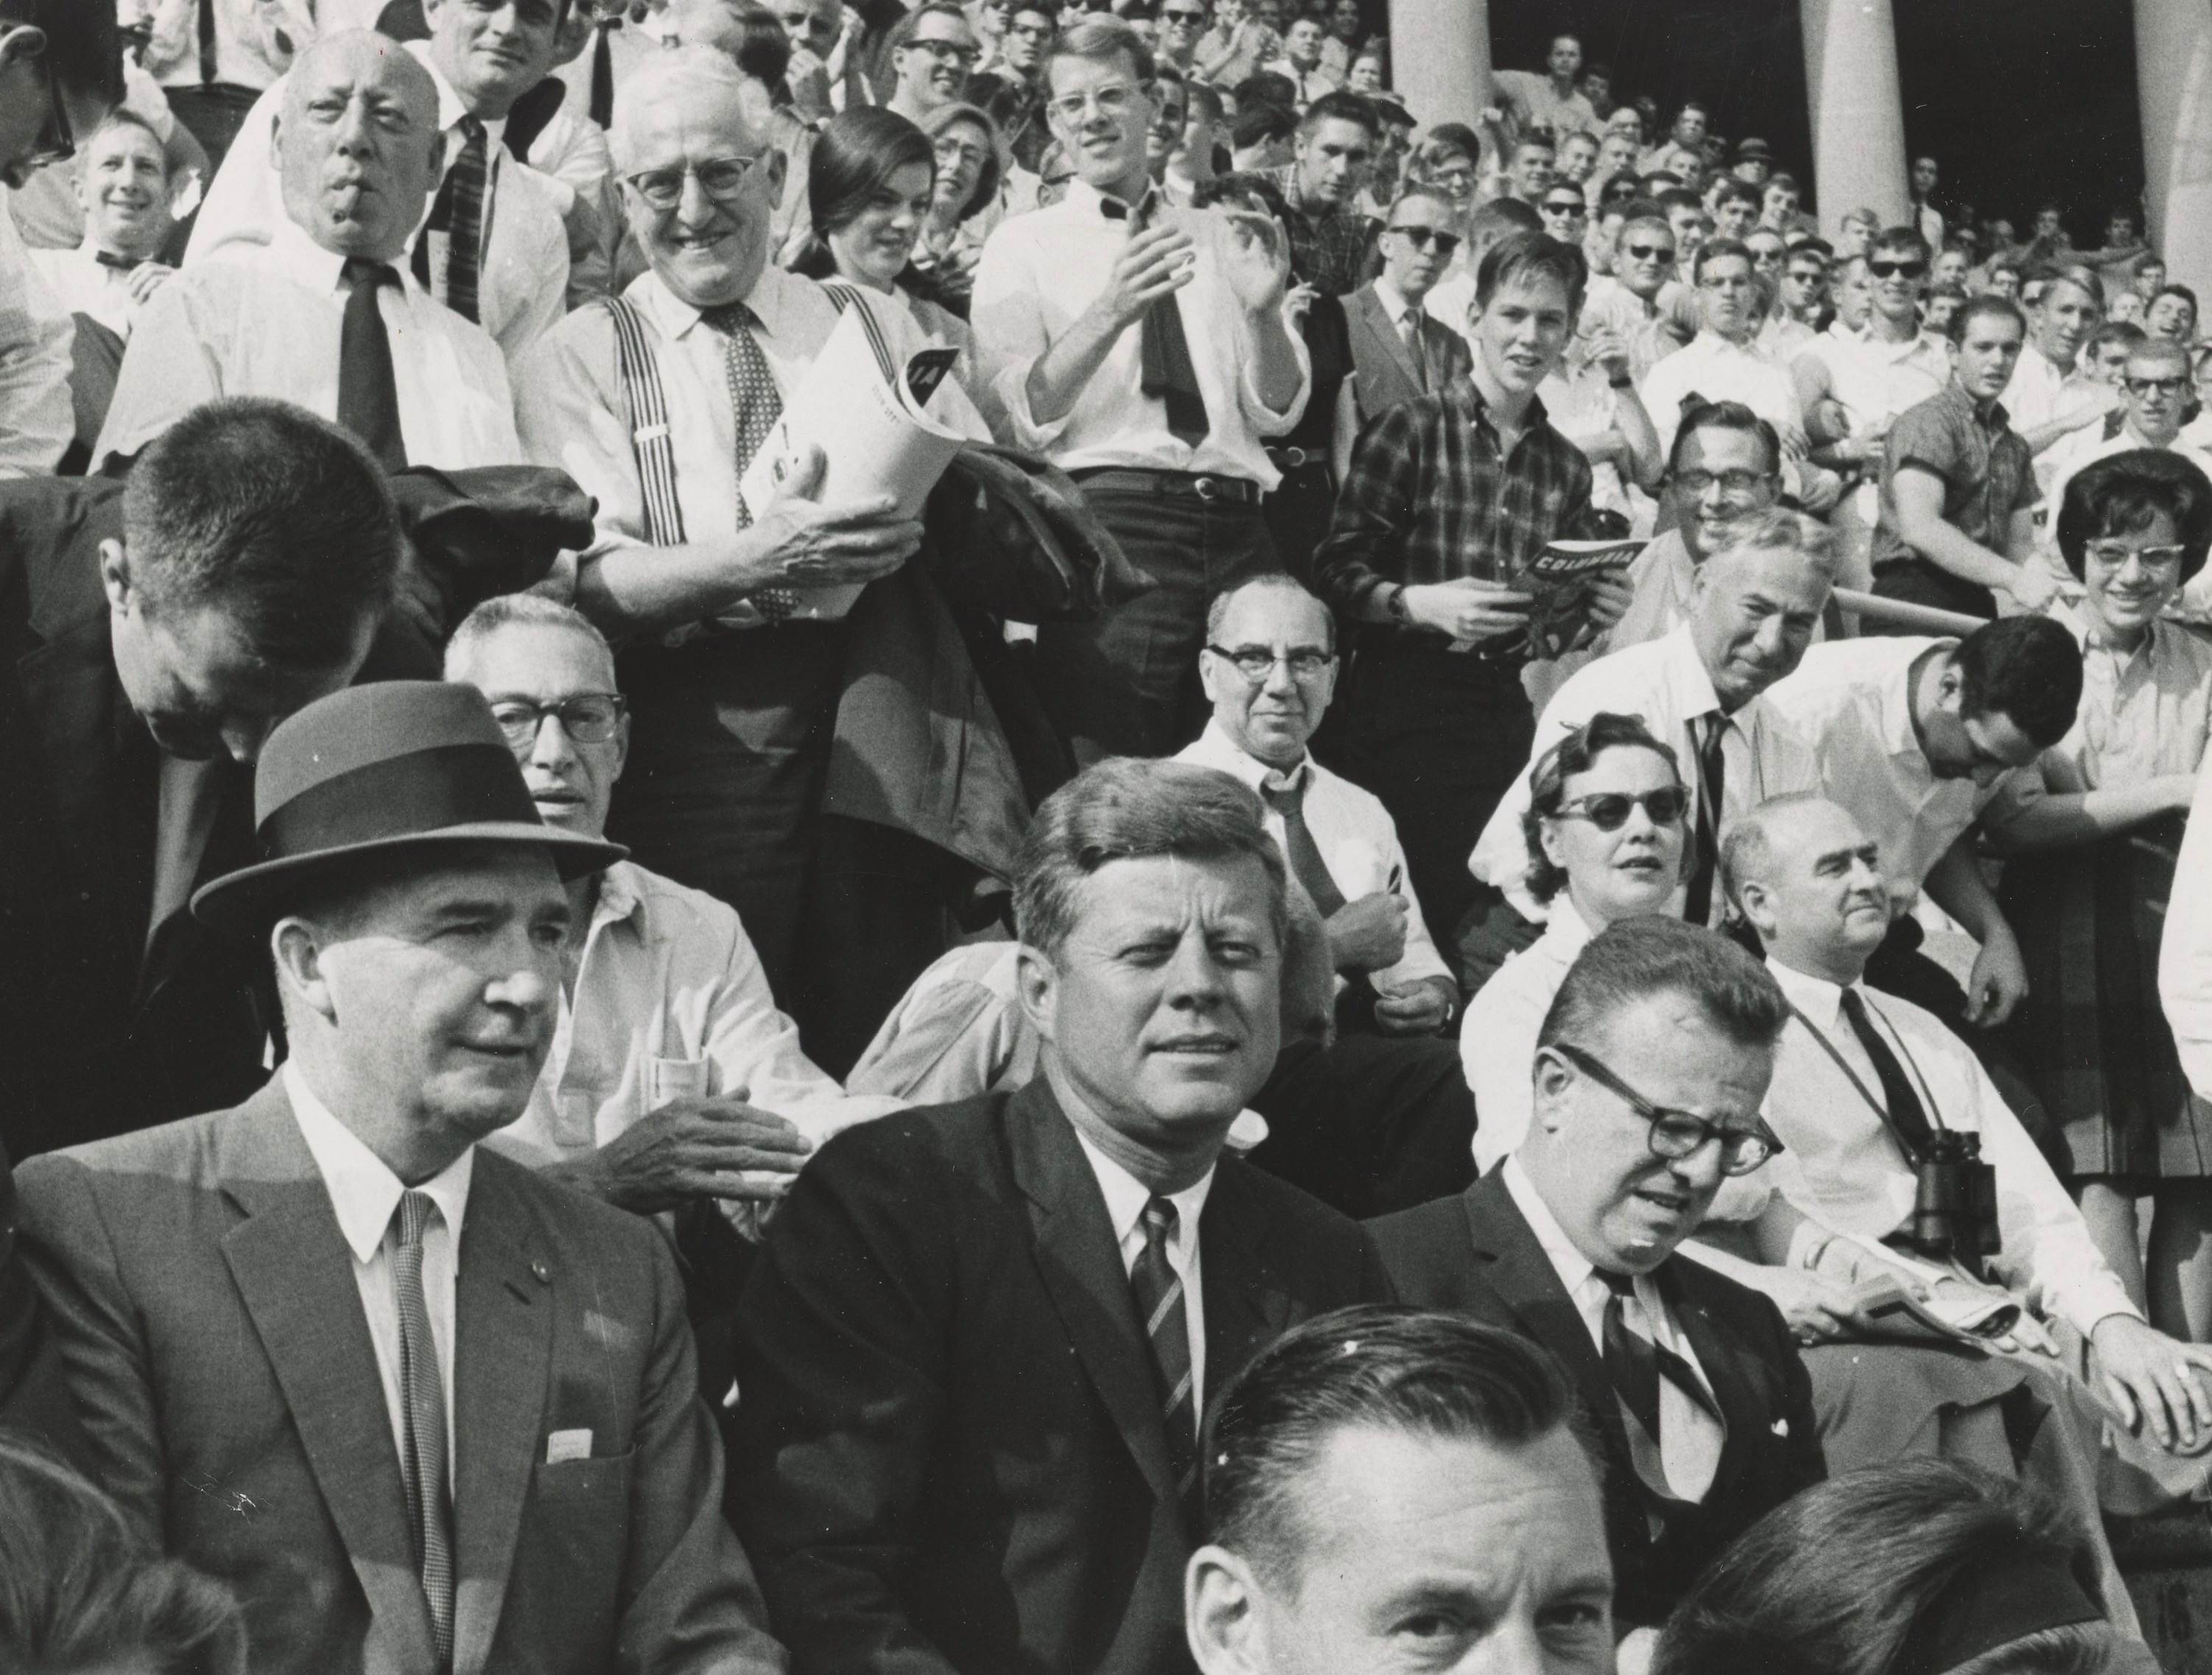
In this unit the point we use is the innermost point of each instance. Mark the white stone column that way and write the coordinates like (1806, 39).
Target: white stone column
(2173, 94)
(1440, 59)
(1859, 114)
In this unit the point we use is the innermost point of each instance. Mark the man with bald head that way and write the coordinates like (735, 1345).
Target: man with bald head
(494, 247)
(327, 315)
(731, 611)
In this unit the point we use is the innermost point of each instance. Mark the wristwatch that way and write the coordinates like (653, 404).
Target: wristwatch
(1396, 605)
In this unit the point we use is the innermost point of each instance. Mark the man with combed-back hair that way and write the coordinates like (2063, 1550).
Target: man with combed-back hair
(979, 1337)
(1379, 1462)
(1647, 1077)
(143, 659)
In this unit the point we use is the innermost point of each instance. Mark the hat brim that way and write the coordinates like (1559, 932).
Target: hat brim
(254, 898)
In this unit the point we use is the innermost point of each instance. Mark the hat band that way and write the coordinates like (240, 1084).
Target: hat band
(411, 796)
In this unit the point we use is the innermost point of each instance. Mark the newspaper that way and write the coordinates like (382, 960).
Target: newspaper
(1561, 579)
(867, 414)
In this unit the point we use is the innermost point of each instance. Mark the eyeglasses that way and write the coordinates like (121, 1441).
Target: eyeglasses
(947, 51)
(1421, 238)
(1112, 101)
(1881, 269)
(1256, 662)
(950, 151)
(1607, 811)
(2157, 386)
(1733, 483)
(720, 177)
(589, 718)
(1457, 179)
(1193, 19)
(1566, 206)
(2113, 555)
(1652, 252)
(1678, 1134)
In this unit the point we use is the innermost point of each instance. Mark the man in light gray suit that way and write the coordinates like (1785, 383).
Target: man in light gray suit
(424, 1411)
(1398, 349)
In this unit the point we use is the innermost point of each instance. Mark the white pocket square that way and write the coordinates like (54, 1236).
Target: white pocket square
(567, 1445)
(1781, 1427)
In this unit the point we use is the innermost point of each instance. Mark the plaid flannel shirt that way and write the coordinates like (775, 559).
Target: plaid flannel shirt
(1429, 498)
(1332, 246)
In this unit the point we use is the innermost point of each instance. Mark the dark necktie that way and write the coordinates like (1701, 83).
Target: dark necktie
(1908, 1118)
(1712, 779)
(1409, 330)
(108, 258)
(755, 406)
(368, 397)
(1635, 1364)
(603, 73)
(1158, 1292)
(1166, 374)
(208, 75)
(422, 1422)
(1298, 845)
(470, 173)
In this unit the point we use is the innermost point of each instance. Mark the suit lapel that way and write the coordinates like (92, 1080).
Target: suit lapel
(503, 1310)
(1524, 1277)
(295, 1274)
(1081, 1266)
(1377, 319)
(1244, 1311)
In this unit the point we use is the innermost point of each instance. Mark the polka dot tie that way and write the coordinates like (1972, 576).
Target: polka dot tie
(756, 406)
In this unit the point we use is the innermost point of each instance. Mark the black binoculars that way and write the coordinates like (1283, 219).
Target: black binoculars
(1955, 1210)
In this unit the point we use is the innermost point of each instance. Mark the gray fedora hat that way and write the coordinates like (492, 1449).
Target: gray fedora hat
(375, 769)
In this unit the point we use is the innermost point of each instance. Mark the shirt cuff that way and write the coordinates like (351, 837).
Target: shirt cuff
(1013, 387)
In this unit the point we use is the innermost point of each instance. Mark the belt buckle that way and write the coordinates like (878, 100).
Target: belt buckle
(1204, 489)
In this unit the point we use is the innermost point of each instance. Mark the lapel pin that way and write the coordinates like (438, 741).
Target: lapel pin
(544, 1274)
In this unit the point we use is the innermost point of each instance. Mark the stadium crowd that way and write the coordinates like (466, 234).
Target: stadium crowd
(1479, 948)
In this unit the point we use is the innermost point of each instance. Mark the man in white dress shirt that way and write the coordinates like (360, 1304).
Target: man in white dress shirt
(1862, 1082)
(494, 248)
(2051, 395)
(1915, 737)
(734, 652)
(326, 314)
(1146, 352)
(125, 189)
(1701, 690)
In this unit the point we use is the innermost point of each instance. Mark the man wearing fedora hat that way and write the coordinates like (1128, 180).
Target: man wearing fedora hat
(420, 1408)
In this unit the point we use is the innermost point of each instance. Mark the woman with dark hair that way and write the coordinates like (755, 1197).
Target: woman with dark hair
(1313, 456)
(1606, 807)
(79, 1593)
(872, 181)
(1919, 1568)
(2093, 830)
(963, 205)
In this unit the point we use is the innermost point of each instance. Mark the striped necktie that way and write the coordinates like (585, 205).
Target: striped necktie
(422, 1412)
(1157, 1289)
(755, 406)
(1635, 1363)
(469, 176)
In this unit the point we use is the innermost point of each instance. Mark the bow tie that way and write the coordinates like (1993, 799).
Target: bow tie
(1113, 209)
(108, 258)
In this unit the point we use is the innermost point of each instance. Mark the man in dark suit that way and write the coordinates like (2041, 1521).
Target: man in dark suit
(151, 633)
(253, 1307)
(1398, 350)
(1649, 1073)
(978, 1341)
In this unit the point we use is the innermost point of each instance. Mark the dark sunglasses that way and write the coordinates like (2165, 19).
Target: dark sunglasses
(1607, 811)
(1647, 252)
(1890, 270)
(1566, 206)
(1422, 237)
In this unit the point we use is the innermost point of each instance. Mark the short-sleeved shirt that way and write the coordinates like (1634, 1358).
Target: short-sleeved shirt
(1987, 472)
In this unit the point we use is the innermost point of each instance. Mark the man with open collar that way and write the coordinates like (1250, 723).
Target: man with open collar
(420, 1409)
(1650, 1071)
(960, 1447)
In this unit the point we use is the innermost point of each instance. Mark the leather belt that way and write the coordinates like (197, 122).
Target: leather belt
(1289, 460)
(1179, 484)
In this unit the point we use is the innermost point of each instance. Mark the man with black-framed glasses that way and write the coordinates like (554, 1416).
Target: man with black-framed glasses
(1399, 350)
(1650, 1071)
(675, 1081)
(932, 52)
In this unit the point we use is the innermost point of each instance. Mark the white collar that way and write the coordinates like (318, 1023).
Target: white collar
(1819, 999)
(291, 252)
(1574, 1268)
(772, 299)
(1217, 749)
(363, 1190)
(1715, 345)
(1688, 680)
(1393, 299)
(1126, 1196)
